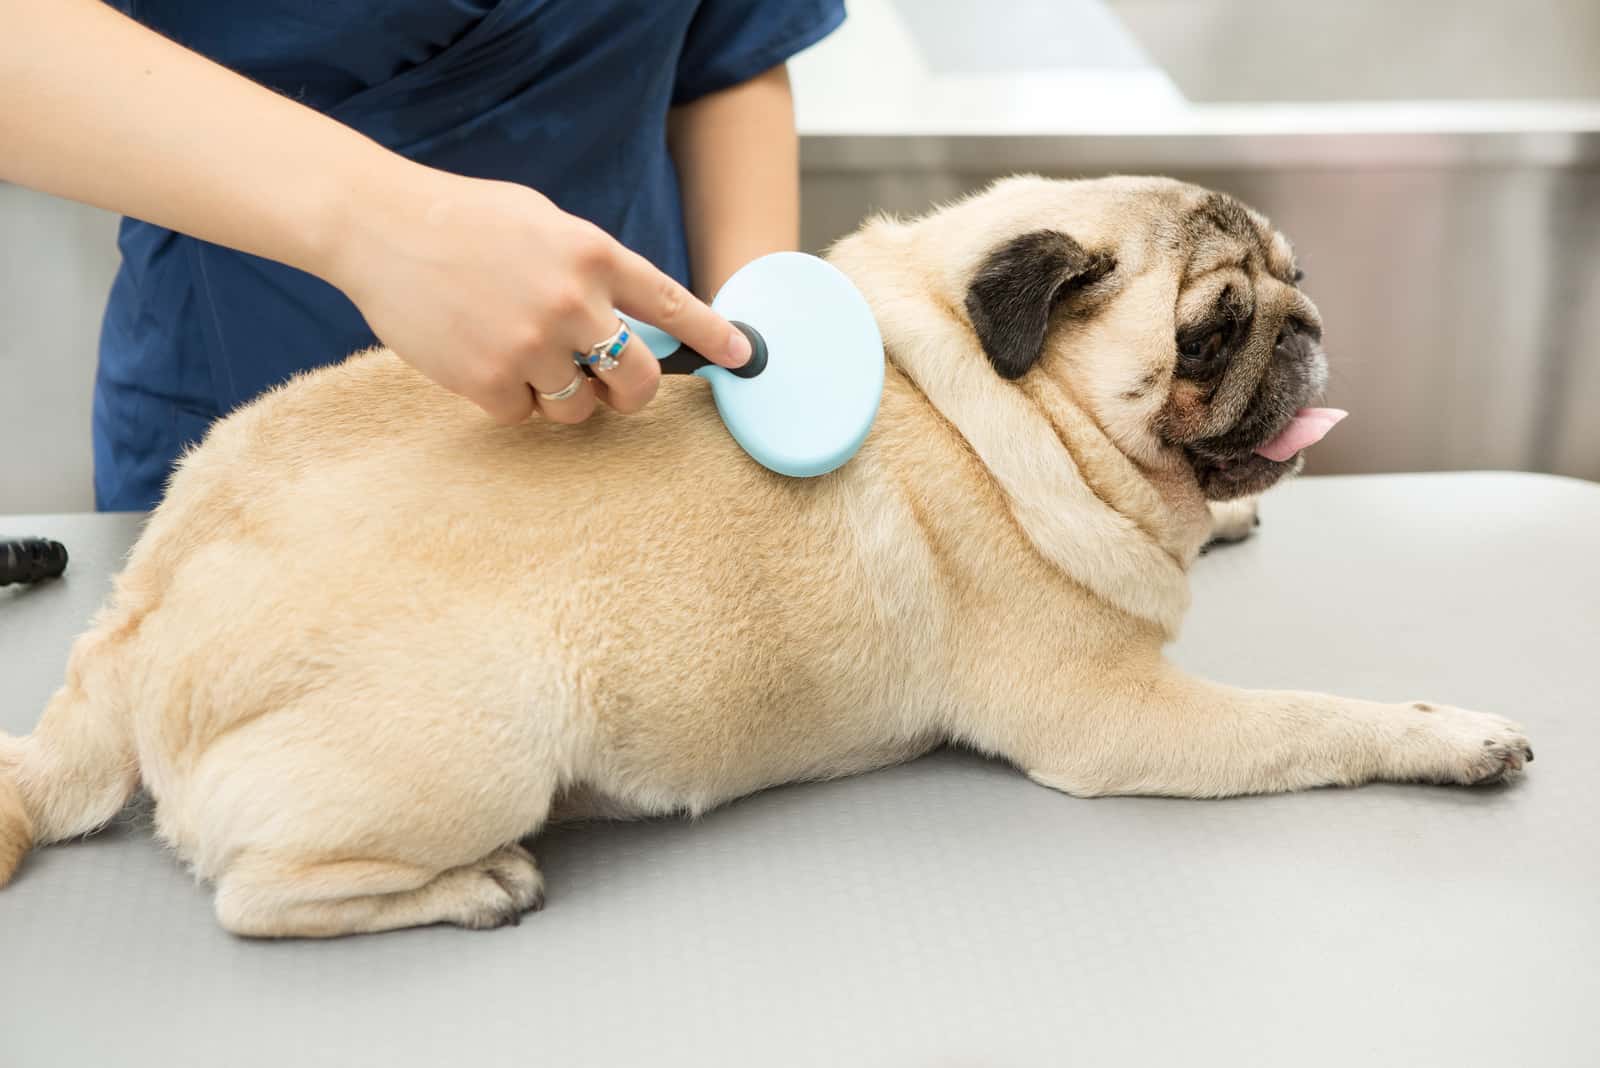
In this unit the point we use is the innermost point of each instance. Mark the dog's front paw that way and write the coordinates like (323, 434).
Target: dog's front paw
(1469, 747)
(1233, 521)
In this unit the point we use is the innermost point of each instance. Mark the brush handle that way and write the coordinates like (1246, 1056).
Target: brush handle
(680, 359)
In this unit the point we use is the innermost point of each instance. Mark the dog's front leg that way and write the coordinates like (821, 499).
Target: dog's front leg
(1233, 520)
(1175, 735)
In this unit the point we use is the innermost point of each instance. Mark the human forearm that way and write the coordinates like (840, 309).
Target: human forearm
(738, 165)
(100, 109)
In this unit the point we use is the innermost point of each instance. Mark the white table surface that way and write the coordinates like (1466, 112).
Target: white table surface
(949, 912)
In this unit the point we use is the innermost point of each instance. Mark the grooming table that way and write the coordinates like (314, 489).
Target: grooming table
(950, 912)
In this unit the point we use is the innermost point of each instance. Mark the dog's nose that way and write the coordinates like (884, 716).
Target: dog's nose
(1294, 327)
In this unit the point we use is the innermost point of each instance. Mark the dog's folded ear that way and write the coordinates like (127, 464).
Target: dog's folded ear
(1017, 287)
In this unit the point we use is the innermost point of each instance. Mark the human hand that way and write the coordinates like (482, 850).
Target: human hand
(489, 289)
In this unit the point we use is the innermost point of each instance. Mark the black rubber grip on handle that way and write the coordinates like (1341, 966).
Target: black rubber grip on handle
(686, 361)
(31, 559)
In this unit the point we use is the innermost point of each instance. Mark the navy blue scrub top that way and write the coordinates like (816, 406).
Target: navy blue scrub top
(569, 97)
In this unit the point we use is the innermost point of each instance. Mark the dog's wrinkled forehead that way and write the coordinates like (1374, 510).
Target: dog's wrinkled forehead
(1143, 223)
(1220, 232)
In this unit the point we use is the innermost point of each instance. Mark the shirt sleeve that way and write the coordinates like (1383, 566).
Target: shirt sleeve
(732, 41)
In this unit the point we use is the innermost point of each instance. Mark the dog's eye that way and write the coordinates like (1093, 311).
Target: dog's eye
(1200, 351)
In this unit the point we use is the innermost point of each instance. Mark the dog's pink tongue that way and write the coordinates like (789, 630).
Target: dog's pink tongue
(1309, 426)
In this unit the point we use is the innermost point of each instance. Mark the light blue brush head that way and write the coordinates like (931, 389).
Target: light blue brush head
(812, 407)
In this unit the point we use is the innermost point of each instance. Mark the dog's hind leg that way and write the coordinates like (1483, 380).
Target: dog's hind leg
(338, 815)
(267, 897)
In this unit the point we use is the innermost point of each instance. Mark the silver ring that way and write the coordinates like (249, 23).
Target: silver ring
(602, 355)
(568, 390)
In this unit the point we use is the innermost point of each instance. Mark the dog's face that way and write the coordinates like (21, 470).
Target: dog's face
(1174, 314)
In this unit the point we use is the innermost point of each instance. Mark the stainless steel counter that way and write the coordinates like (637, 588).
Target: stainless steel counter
(1277, 50)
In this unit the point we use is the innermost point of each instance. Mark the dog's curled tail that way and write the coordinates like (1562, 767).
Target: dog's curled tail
(78, 768)
(16, 827)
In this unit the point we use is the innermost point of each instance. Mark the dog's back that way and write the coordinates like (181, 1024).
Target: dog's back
(265, 659)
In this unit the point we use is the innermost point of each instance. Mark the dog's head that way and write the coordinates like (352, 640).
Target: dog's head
(1173, 314)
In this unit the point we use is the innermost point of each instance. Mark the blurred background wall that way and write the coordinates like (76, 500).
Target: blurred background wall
(1436, 164)
(56, 263)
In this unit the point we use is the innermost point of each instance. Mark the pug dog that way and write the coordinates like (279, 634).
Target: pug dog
(372, 641)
